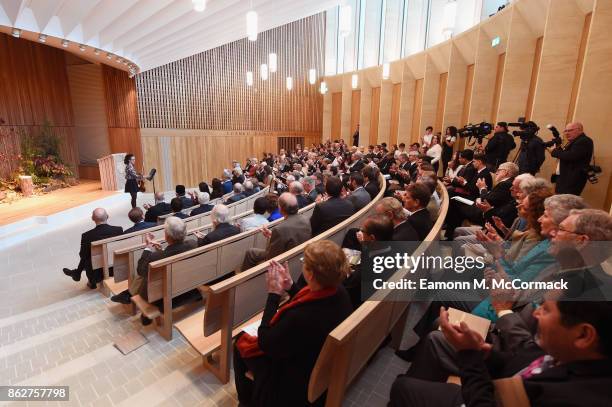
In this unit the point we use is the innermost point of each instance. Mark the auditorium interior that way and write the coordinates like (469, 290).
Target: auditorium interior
(192, 193)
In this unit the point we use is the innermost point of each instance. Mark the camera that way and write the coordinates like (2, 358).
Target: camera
(477, 131)
(592, 172)
(557, 140)
(527, 129)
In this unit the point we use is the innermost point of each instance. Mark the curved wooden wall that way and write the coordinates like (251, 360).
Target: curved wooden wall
(553, 65)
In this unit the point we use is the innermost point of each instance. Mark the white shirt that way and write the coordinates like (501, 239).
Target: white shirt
(253, 222)
(427, 139)
(434, 151)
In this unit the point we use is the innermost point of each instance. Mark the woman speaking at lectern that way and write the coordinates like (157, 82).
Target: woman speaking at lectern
(132, 178)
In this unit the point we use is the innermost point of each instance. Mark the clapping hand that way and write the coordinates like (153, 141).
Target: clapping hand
(499, 223)
(151, 243)
(481, 184)
(278, 279)
(461, 337)
(199, 235)
(266, 232)
(484, 206)
(146, 206)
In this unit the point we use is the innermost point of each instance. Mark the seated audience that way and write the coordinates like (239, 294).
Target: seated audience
(227, 181)
(309, 188)
(292, 231)
(180, 193)
(282, 355)
(332, 210)
(273, 208)
(393, 209)
(249, 188)
(217, 189)
(203, 199)
(137, 217)
(258, 218)
(238, 194)
(416, 200)
(359, 197)
(175, 231)
(222, 229)
(568, 363)
(370, 180)
(177, 206)
(297, 189)
(102, 230)
(159, 209)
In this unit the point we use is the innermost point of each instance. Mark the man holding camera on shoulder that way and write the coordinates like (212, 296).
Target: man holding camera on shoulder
(499, 146)
(574, 160)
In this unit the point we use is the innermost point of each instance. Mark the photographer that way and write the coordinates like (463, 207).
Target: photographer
(574, 161)
(499, 146)
(531, 155)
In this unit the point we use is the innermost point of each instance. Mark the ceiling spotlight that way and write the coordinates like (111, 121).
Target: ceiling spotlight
(355, 81)
(42, 38)
(82, 47)
(272, 61)
(199, 5)
(386, 69)
(289, 83)
(65, 43)
(249, 78)
(312, 76)
(263, 70)
(323, 88)
(16, 32)
(109, 56)
(97, 51)
(251, 24)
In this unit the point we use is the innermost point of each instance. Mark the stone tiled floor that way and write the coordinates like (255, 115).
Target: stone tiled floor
(54, 331)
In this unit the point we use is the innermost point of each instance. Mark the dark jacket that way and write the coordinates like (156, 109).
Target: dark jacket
(201, 209)
(531, 156)
(573, 162)
(292, 346)
(187, 202)
(471, 187)
(405, 232)
(102, 231)
(150, 256)
(499, 197)
(421, 222)
(235, 198)
(498, 148)
(302, 200)
(330, 213)
(372, 188)
(291, 232)
(139, 226)
(157, 210)
(222, 231)
(357, 166)
(359, 198)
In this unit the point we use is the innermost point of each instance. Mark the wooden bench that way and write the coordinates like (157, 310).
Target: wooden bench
(348, 348)
(175, 275)
(102, 250)
(126, 260)
(230, 304)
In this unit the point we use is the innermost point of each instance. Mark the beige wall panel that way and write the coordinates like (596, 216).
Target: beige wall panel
(535, 71)
(365, 114)
(374, 116)
(347, 92)
(417, 106)
(497, 87)
(441, 102)
(594, 103)
(395, 112)
(406, 106)
(431, 84)
(384, 121)
(336, 115)
(327, 116)
(455, 90)
(152, 159)
(485, 70)
(355, 106)
(586, 28)
(517, 70)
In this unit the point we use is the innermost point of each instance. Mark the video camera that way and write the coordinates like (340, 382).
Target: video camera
(557, 140)
(477, 131)
(527, 129)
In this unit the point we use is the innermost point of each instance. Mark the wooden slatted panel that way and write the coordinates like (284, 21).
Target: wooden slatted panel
(416, 111)
(336, 115)
(395, 109)
(537, 58)
(374, 115)
(501, 60)
(441, 102)
(581, 52)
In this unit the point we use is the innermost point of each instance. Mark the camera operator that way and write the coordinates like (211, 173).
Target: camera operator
(499, 146)
(531, 155)
(574, 160)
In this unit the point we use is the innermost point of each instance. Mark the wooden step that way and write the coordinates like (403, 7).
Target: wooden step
(148, 310)
(115, 288)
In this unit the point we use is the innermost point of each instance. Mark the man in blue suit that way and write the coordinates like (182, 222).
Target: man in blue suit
(137, 216)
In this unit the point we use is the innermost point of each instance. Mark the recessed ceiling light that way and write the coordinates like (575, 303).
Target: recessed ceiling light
(42, 38)
(16, 32)
(65, 43)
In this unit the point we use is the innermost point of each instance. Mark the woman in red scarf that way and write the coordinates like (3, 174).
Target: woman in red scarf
(290, 337)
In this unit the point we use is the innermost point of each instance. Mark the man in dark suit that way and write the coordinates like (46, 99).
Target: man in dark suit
(185, 200)
(490, 202)
(175, 231)
(222, 229)
(416, 200)
(137, 217)
(308, 183)
(332, 211)
(574, 160)
(101, 231)
(290, 232)
(359, 197)
(499, 146)
(203, 199)
(370, 181)
(392, 208)
(160, 208)
(572, 365)
(238, 194)
(464, 176)
(357, 163)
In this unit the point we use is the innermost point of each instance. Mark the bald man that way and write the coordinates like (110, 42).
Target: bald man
(290, 232)
(160, 208)
(101, 231)
(574, 159)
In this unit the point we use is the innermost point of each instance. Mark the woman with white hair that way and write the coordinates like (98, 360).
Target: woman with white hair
(203, 199)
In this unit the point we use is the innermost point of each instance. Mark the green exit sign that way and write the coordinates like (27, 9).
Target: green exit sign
(495, 41)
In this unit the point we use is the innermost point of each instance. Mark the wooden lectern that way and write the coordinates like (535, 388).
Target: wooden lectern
(112, 172)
